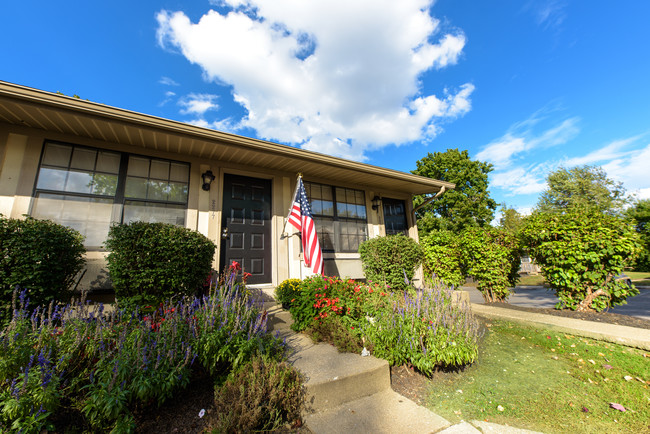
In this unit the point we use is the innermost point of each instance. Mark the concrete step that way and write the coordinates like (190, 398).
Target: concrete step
(383, 412)
(334, 378)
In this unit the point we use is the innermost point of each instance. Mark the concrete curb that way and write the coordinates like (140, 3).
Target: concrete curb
(623, 335)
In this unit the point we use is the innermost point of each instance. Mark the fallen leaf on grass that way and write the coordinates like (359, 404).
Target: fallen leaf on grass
(640, 379)
(628, 378)
(616, 406)
(554, 357)
(608, 367)
(500, 408)
(591, 361)
(585, 410)
(458, 412)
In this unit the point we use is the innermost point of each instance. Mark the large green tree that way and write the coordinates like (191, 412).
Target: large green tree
(511, 220)
(468, 205)
(640, 212)
(582, 187)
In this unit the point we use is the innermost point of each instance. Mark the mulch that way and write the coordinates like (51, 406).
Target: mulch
(604, 317)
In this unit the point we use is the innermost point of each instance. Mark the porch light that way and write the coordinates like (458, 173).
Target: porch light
(208, 177)
(376, 201)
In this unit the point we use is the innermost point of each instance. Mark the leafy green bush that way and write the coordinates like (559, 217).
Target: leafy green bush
(287, 291)
(580, 253)
(387, 259)
(303, 309)
(263, 395)
(442, 257)
(150, 262)
(40, 257)
(492, 257)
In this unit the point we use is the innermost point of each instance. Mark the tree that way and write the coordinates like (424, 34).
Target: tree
(580, 252)
(468, 205)
(511, 220)
(582, 186)
(640, 213)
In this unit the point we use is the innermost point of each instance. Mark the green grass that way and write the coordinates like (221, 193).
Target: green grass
(639, 277)
(548, 382)
(532, 280)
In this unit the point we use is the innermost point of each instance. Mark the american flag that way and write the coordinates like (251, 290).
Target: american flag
(300, 218)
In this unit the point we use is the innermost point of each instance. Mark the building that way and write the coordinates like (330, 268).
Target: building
(88, 165)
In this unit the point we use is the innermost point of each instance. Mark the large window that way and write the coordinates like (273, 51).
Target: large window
(340, 216)
(87, 189)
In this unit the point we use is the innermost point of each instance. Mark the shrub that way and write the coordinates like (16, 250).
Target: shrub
(150, 262)
(262, 395)
(388, 259)
(303, 309)
(580, 253)
(442, 257)
(492, 257)
(424, 329)
(287, 291)
(39, 256)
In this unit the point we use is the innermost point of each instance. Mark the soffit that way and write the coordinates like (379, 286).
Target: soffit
(57, 113)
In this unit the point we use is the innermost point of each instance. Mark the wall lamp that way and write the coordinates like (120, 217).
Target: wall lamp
(208, 177)
(376, 201)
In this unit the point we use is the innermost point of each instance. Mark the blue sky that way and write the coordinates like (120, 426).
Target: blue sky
(527, 86)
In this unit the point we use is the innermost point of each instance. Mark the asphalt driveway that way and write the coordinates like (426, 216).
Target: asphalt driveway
(538, 296)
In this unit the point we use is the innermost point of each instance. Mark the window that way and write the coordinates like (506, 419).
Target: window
(395, 216)
(340, 216)
(87, 189)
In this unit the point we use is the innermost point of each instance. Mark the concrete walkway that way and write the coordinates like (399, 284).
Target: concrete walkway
(618, 334)
(348, 393)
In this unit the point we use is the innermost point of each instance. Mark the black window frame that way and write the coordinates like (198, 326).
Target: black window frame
(119, 198)
(336, 218)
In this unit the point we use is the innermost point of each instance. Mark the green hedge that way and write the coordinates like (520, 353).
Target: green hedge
(387, 259)
(442, 258)
(40, 257)
(150, 262)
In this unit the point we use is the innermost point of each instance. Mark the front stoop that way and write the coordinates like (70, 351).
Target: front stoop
(347, 392)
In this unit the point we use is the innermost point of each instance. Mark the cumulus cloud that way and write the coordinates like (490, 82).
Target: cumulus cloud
(198, 104)
(334, 76)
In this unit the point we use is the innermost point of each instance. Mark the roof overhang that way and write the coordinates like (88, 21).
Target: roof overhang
(33, 108)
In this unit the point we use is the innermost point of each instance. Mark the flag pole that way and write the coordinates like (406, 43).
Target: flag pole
(286, 220)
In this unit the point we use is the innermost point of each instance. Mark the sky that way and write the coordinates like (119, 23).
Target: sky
(526, 86)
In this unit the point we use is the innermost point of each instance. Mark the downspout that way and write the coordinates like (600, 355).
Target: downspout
(428, 201)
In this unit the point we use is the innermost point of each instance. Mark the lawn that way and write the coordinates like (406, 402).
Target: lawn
(639, 278)
(548, 382)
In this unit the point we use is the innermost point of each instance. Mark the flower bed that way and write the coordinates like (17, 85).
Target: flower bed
(102, 366)
(422, 328)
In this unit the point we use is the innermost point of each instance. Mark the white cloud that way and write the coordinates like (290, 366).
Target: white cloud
(612, 151)
(631, 168)
(335, 76)
(523, 137)
(198, 104)
(530, 180)
(168, 81)
(550, 14)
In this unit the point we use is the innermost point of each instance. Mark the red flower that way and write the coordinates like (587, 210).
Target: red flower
(235, 266)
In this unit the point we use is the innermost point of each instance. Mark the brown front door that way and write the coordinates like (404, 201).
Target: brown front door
(246, 226)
